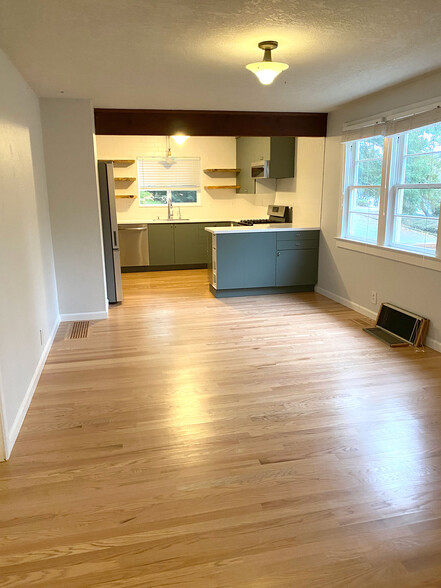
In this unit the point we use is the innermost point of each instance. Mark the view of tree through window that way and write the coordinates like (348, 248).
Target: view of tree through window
(418, 198)
(159, 197)
(412, 199)
(364, 197)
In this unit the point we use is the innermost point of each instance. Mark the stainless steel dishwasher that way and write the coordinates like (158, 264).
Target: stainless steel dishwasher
(134, 245)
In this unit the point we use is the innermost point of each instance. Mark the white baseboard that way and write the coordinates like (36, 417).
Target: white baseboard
(346, 302)
(433, 344)
(84, 316)
(430, 342)
(12, 434)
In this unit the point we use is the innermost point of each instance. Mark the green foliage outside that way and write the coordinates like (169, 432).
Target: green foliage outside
(159, 197)
(424, 168)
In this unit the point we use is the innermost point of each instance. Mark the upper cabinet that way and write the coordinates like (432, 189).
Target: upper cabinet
(279, 152)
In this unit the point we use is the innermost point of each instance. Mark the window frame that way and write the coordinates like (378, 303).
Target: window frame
(392, 171)
(348, 186)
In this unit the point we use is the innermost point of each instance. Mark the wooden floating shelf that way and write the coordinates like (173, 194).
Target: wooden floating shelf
(126, 196)
(222, 170)
(123, 161)
(125, 179)
(221, 187)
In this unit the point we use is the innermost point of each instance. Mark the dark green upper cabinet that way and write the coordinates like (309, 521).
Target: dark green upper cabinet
(282, 154)
(280, 151)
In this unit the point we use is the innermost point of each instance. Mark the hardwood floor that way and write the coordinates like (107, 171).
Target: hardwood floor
(259, 442)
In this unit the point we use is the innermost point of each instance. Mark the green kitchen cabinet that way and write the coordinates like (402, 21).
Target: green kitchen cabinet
(280, 151)
(187, 248)
(247, 263)
(161, 244)
(246, 260)
(296, 267)
(179, 243)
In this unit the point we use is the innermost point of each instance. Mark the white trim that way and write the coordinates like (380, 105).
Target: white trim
(12, 434)
(409, 257)
(84, 316)
(346, 302)
(430, 342)
(3, 425)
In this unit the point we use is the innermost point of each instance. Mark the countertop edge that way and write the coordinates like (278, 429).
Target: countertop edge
(258, 229)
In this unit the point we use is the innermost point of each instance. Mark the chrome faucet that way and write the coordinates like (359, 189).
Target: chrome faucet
(169, 209)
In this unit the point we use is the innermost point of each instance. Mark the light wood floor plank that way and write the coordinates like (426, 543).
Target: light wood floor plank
(256, 442)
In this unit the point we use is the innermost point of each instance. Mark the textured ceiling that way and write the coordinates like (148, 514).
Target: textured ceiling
(183, 54)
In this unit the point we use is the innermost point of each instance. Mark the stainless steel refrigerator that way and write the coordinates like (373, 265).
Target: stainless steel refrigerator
(110, 231)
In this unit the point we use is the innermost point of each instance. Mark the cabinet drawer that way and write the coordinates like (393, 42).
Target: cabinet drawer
(298, 236)
(287, 245)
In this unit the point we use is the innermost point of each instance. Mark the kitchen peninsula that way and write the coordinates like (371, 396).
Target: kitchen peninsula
(263, 259)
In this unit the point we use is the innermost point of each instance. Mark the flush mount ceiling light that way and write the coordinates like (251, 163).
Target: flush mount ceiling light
(267, 70)
(180, 138)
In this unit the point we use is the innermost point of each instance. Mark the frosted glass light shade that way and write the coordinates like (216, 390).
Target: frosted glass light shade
(180, 138)
(267, 71)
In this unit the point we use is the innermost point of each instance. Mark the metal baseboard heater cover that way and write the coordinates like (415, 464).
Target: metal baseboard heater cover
(398, 327)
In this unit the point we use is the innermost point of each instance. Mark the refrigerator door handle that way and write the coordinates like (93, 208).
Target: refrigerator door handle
(115, 240)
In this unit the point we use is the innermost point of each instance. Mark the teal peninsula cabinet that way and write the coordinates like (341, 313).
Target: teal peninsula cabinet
(263, 259)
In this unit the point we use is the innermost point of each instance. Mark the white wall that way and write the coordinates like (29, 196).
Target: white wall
(302, 192)
(348, 275)
(28, 288)
(68, 133)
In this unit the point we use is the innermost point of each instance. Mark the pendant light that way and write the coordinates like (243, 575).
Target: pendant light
(180, 138)
(267, 70)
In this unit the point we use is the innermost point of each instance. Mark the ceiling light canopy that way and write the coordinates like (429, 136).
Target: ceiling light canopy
(267, 70)
(180, 138)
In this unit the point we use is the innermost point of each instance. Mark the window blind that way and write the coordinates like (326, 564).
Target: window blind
(414, 121)
(389, 124)
(355, 133)
(177, 172)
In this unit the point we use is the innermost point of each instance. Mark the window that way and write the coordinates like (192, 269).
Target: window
(175, 180)
(364, 162)
(416, 190)
(392, 188)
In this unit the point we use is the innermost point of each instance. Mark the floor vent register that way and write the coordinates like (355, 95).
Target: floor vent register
(79, 330)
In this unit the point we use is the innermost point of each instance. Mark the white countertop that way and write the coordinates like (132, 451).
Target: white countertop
(175, 220)
(270, 227)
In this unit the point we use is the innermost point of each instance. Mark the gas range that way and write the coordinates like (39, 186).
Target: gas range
(276, 214)
(253, 221)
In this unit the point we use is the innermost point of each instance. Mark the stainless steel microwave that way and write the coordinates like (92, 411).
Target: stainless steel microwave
(260, 169)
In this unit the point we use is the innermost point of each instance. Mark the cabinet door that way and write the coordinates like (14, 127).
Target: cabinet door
(282, 157)
(259, 260)
(246, 261)
(296, 267)
(161, 244)
(187, 249)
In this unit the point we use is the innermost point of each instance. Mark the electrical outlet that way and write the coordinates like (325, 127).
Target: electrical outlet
(41, 337)
(373, 296)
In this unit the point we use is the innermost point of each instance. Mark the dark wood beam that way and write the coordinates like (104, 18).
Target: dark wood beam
(211, 123)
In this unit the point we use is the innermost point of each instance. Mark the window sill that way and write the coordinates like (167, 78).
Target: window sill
(418, 259)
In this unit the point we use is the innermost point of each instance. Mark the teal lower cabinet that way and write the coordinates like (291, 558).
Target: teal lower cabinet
(179, 244)
(296, 267)
(161, 244)
(264, 262)
(246, 260)
(187, 249)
